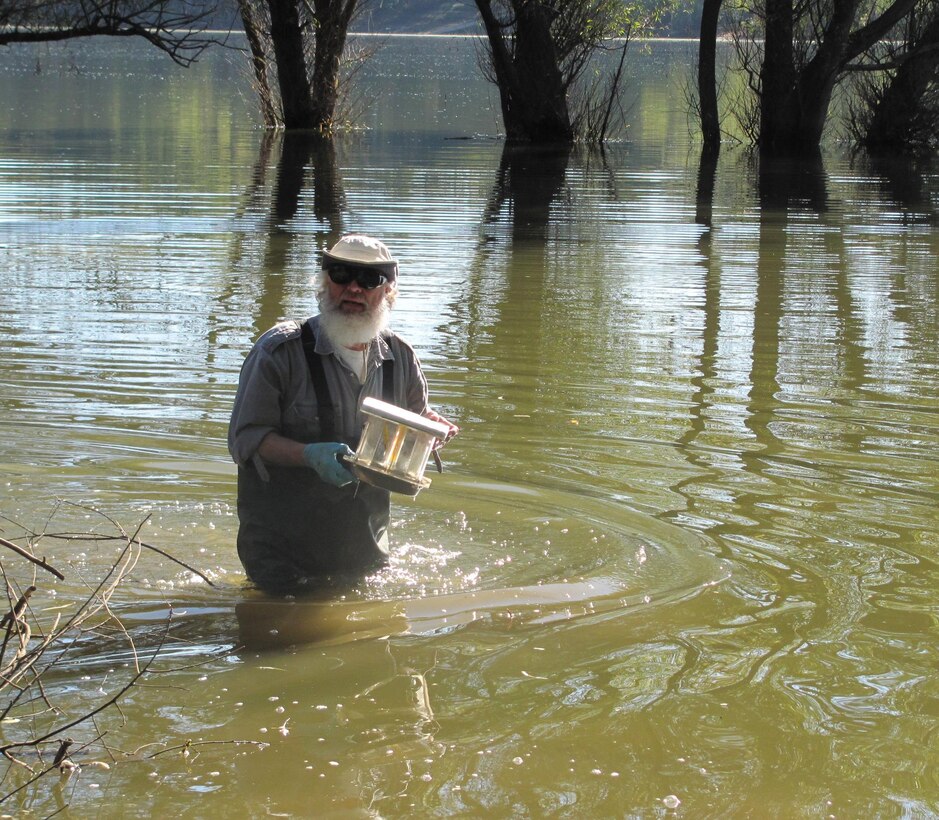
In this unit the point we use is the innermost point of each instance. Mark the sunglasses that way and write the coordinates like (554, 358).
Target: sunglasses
(365, 278)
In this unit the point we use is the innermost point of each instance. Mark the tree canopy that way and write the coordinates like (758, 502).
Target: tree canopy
(177, 27)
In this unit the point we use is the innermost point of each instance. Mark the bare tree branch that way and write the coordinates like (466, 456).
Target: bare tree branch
(39, 562)
(36, 644)
(179, 29)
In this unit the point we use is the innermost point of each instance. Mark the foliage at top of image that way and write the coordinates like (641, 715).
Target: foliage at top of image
(180, 28)
(667, 18)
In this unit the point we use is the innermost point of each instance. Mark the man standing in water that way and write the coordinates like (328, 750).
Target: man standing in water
(303, 517)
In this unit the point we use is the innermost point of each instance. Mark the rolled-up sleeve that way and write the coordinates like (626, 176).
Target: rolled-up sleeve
(257, 408)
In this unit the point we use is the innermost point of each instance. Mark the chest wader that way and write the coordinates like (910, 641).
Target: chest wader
(297, 526)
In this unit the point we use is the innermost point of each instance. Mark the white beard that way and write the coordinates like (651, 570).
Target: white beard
(348, 329)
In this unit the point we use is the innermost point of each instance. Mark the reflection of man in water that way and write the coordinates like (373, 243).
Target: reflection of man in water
(302, 515)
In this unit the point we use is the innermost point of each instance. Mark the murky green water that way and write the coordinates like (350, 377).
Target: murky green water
(682, 559)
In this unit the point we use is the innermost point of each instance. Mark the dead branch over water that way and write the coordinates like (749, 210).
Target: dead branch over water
(41, 732)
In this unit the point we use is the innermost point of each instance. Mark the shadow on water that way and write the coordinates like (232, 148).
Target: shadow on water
(267, 624)
(245, 619)
(902, 181)
(608, 562)
(605, 561)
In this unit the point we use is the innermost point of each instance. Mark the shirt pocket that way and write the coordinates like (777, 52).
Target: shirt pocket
(301, 421)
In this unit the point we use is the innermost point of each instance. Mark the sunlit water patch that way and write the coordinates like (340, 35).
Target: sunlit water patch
(505, 554)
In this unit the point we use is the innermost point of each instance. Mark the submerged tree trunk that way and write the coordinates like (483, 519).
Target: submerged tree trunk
(792, 123)
(332, 25)
(254, 33)
(907, 113)
(707, 78)
(541, 98)
(292, 77)
(778, 103)
(794, 96)
(305, 41)
(527, 70)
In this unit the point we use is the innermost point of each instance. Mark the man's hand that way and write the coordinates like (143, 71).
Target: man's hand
(324, 458)
(453, 429)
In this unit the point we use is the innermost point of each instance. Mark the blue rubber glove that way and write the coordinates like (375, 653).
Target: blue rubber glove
(324, 458)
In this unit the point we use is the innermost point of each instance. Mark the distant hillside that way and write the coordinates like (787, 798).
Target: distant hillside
(418, 17)
(440, 17)
(461, 17)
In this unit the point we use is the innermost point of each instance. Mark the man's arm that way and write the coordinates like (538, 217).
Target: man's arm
(256, 410)
(285, 452)
(323, 456)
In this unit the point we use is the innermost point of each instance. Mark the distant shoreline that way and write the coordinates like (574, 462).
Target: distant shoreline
(437, 35)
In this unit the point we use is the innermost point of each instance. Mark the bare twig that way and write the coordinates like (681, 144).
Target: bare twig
(39, 562)
(33, 646)
(6, 750)
(71, 536)
(192, 744)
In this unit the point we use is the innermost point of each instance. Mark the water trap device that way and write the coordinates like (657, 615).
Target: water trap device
(394, 447)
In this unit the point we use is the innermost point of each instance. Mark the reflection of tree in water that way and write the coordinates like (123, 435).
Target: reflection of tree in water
(307, 158)
(781, 184)
(704, 195)
(504, 306)
(514, 236)
(265, 244)
(785, 184)
(528, 183)
(787, 190)
(903, 181)
(529, 180)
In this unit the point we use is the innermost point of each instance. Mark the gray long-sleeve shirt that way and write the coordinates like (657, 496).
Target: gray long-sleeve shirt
(276, 394)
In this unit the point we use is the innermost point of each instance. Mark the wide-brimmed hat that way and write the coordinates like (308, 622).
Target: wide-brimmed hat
(363, 251)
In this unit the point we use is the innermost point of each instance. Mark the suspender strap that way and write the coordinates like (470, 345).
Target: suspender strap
(325, 409)
(388, 381)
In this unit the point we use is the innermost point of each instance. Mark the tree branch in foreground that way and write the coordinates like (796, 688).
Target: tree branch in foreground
(49, 707)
